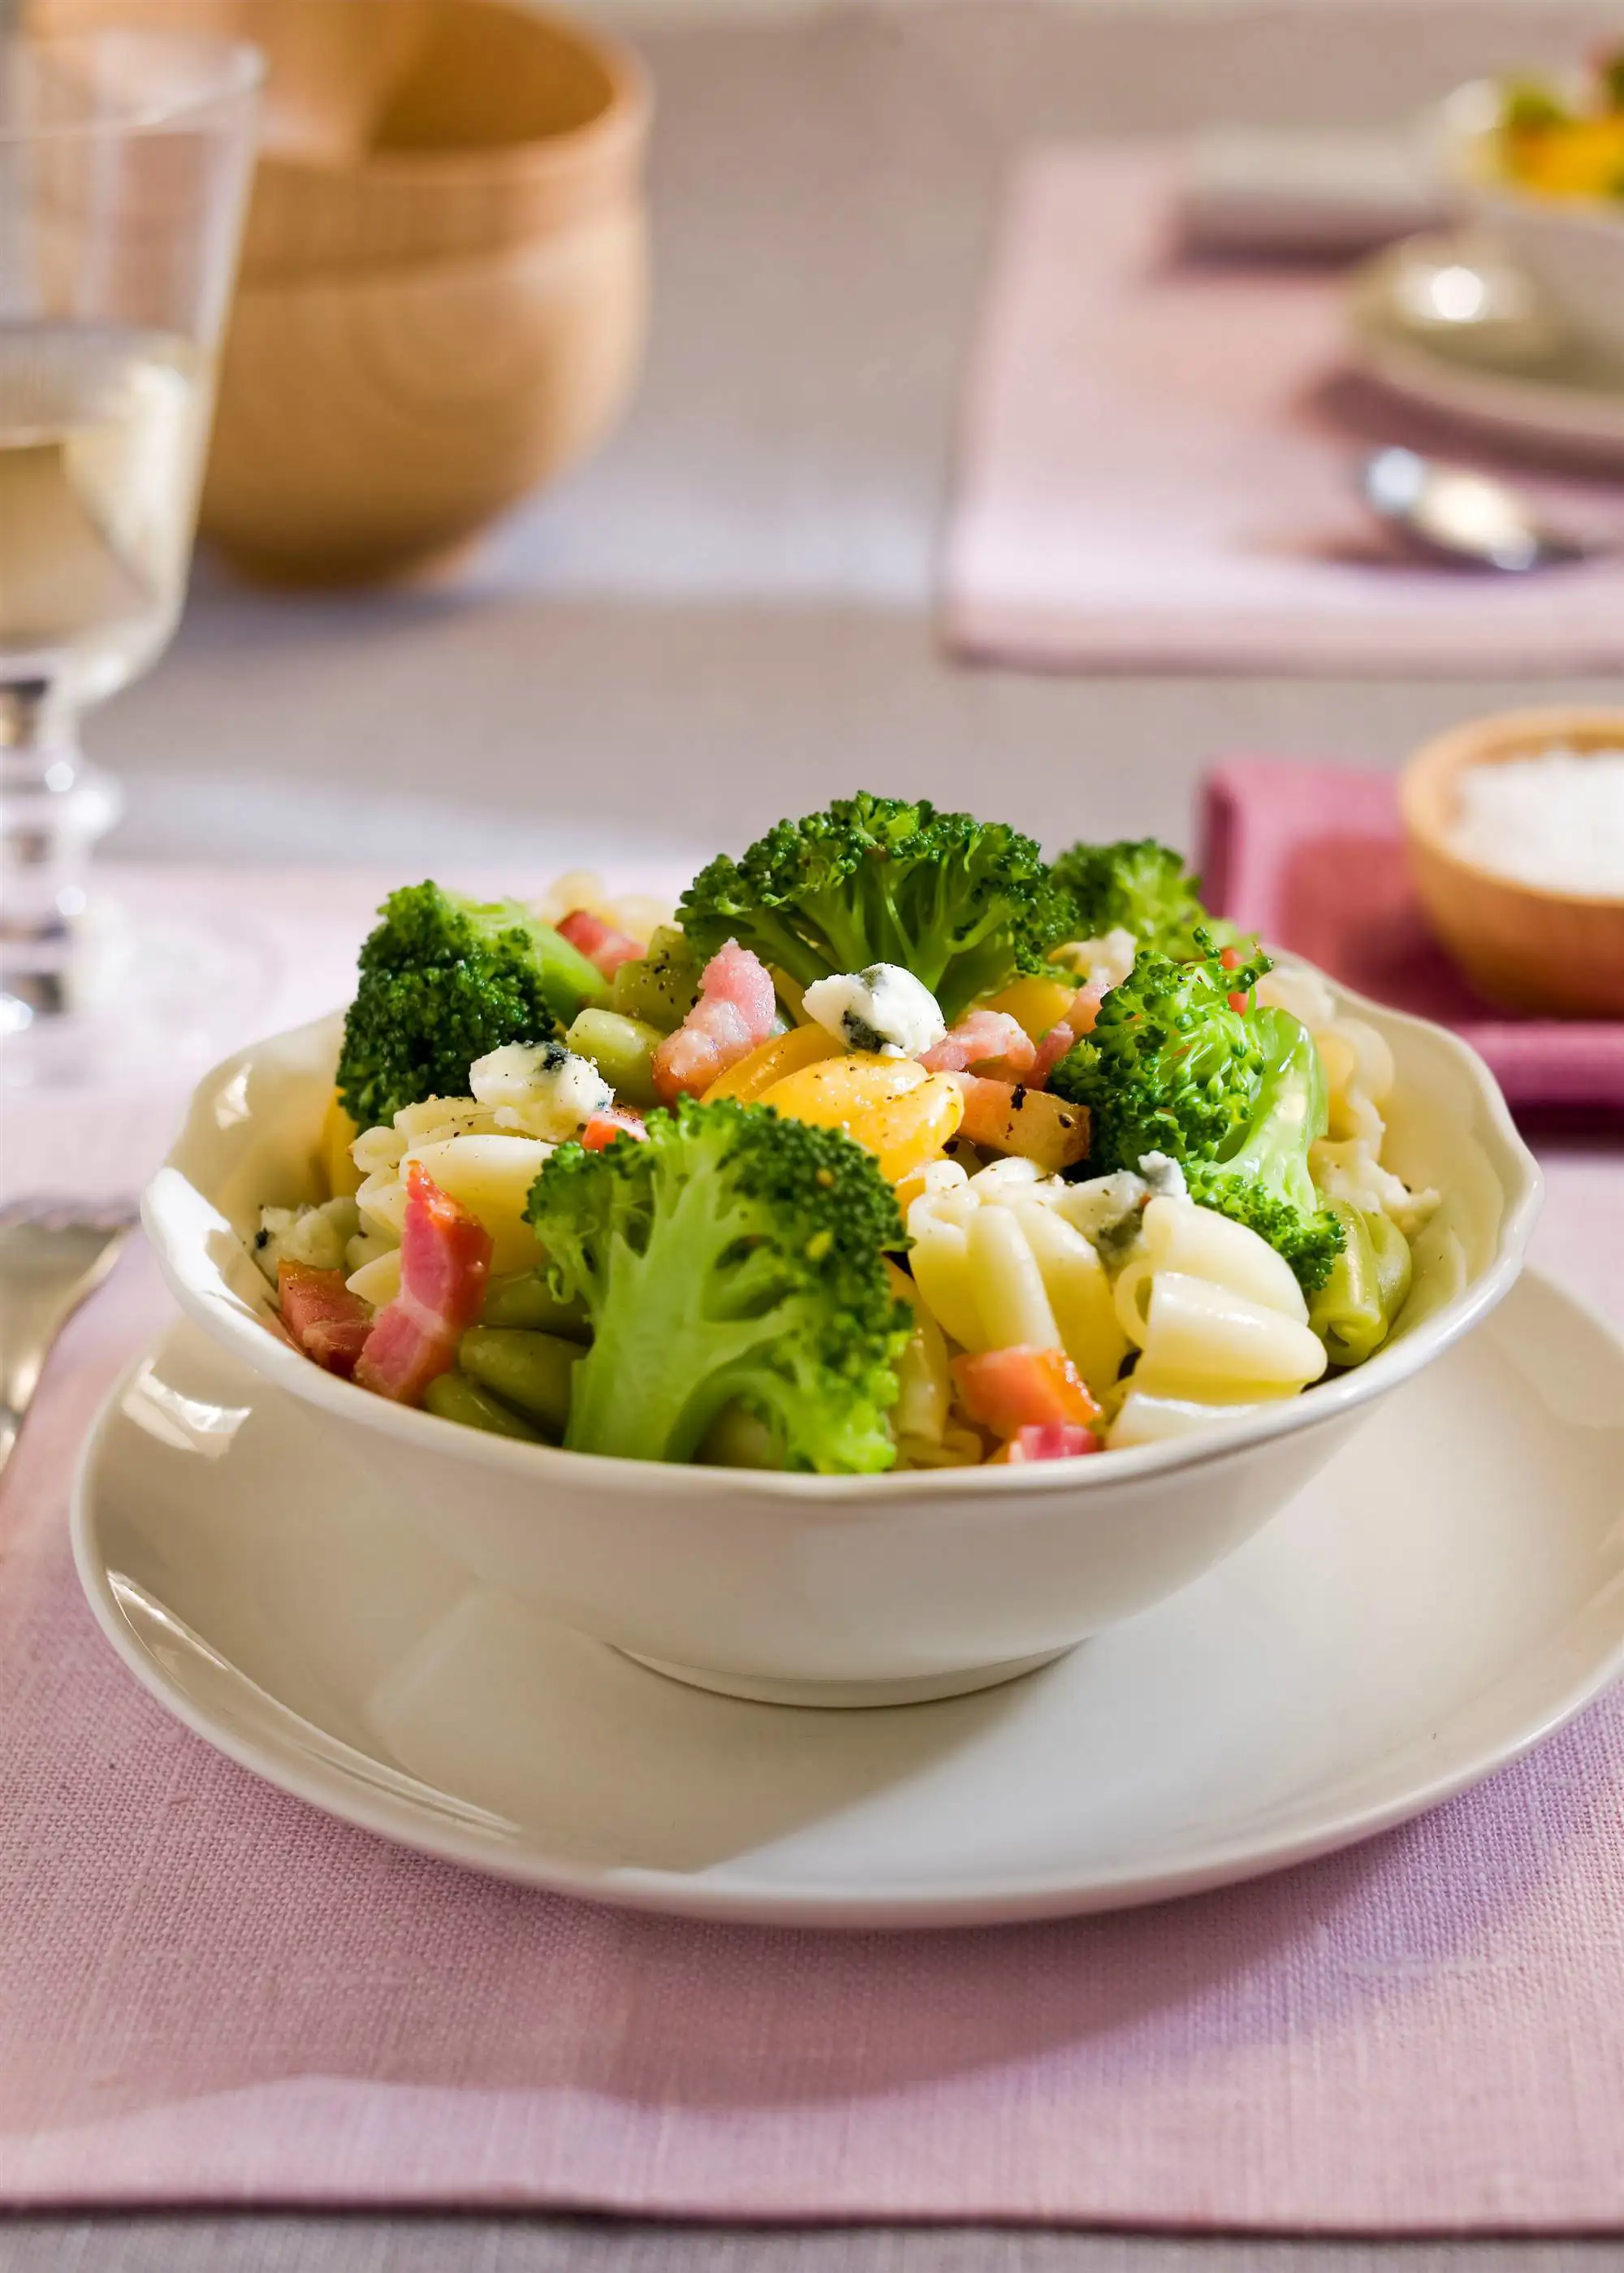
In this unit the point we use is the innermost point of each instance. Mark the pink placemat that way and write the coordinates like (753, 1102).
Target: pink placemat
(1313, 858)
(1157, 466)
(209, 1992)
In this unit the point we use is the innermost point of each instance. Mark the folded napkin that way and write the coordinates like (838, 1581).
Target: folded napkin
(1158, 457)
(210, 1993)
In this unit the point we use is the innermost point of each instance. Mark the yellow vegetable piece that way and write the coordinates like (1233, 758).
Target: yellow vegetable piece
(1035, 1004)
(892, 1105)
(773, 1061)
(1584, 158)
(338, 1132)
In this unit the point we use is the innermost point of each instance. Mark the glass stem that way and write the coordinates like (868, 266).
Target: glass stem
(53, 808)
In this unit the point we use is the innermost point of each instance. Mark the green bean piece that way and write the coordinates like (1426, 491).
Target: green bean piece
(1346, 1311)
(1394, 1266)
(455, 1398)
(529, 1371)
(523, 1298)
(660, 987)
(736, 1439)
(622, 1050)
(1353, 1312)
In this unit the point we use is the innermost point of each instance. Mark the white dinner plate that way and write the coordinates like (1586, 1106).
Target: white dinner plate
(1448, 1591)
(1568, 399)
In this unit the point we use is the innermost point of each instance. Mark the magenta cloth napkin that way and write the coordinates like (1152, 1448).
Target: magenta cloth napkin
(210, 1993)
(1313, 858)
(1157, 466)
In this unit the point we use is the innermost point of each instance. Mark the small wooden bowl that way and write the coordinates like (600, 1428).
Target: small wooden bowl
(444, 280)
(413, 130)
(372, 421)
(1523, 947)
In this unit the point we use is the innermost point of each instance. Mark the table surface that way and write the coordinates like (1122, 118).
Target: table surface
(728, 616)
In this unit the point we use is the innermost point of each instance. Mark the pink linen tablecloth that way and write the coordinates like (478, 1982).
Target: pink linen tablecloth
(1157, 466)
(211, 1992)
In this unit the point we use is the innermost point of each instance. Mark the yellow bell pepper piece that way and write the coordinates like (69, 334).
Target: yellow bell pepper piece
(784, 1055)
(338, 1132)
(891, 1106)
(1035, 1004)
(1582, 158)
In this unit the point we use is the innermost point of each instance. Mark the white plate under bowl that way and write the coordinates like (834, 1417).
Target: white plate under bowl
(1447, 1591)
(1569, 402)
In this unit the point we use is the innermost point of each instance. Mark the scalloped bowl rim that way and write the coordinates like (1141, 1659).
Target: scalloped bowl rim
(230, 1321)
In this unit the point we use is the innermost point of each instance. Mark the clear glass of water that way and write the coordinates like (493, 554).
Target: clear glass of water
(125, 160)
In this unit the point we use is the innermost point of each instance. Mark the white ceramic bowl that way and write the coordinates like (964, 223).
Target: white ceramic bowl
(833, 1589)
(1571, 249)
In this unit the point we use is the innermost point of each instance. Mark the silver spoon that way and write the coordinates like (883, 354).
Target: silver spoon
(1463, 519)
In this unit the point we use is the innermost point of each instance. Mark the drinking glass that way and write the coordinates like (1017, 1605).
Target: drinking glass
(125, 159)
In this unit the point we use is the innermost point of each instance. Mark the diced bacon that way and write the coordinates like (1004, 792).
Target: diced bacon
(614, 1120)
(985, 1037)
(733, 1014)
(1050, 1050)
(600, 942)
(1053, 1440)
(444, 1262)
(1009, 1390)
(1078, 1021)
(328, 1323)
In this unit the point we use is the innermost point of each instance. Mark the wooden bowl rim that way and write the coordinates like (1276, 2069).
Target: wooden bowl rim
(1427, 779)
(624, 117)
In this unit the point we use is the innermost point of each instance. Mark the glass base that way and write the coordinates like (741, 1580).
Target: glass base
(134, 999)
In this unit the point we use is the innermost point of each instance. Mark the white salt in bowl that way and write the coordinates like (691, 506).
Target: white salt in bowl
(834, 1590)
(1523, 946)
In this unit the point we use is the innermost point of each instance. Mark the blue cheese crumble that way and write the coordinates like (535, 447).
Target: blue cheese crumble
(884, 1010)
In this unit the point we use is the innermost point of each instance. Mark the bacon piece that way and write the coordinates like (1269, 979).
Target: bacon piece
(984, 1037)
(1078, 1021)
(444, 1262)
(600, 942)
(328, 1323)
(733, 1014)
(1053, 1440)
(614, 1120)
(1009, 1390)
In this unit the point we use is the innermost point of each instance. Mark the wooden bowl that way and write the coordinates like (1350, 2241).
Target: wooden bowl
(409, 130)
(444, 280)
(1523, 947)
(372, 421)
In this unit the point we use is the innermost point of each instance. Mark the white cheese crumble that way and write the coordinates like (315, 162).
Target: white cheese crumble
(547, 1090)
(317, 1236)
(1555, 821)
(884, 1009)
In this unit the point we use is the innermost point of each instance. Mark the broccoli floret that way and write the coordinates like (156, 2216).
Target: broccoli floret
(1260, 1174)
(443, 980)
(964, 904)
(1236, 1096)
(733, 1257)
(1137, 885)
(1171, 1065)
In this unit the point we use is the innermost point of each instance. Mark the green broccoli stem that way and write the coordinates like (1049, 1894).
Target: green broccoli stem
(1288, 1114)
(658, 1372)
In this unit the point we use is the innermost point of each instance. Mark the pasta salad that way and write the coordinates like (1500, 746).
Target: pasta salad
(894, 1146)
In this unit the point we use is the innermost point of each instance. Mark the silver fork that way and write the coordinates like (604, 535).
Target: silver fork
(53, 1253)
